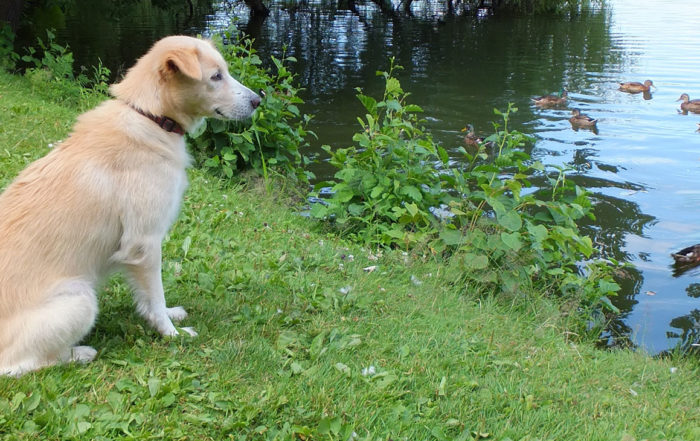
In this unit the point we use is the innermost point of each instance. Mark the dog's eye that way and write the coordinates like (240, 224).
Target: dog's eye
(217, 76)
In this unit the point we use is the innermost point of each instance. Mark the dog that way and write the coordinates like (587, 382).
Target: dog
(102, 201)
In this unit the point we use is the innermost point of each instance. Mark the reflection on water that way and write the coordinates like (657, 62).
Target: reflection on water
(642, 162)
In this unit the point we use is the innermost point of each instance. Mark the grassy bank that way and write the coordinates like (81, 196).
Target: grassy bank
(303, 336)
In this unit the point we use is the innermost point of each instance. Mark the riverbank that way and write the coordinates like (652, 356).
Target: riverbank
(304, 336)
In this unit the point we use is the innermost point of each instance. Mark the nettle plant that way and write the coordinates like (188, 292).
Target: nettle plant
(510, 233)
(387, 182)
(396, 187)
(276, 135)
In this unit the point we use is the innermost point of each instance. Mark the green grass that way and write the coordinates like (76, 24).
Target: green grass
(288, 321)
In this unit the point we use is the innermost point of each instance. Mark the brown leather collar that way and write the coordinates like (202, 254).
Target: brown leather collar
(165, 123)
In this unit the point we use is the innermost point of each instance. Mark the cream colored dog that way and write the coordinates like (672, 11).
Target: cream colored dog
(103, 200)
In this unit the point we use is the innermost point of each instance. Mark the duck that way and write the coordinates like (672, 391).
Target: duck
(688, 255)
(579, 119)
(635, 87)
(470, 138)
(689, 105)
(551, 100)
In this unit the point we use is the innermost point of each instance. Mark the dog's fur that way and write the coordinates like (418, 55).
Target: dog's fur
(103, 200)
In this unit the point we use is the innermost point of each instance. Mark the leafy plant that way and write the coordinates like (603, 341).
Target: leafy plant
(51, 57)
(512, 234)
(50, 63)
(388, 181)
(276, 135)
(8, 57)
(396, 187)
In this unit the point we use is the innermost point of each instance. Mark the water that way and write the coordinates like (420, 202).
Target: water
(642, 165)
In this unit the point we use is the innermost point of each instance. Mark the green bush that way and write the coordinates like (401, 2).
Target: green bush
(511, 234)
(275, 137)
(507, 234)
(8, 57)
(387, 183)
(49, 67)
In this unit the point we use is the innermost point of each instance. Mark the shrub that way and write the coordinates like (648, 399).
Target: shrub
(507, 234)
(511, 234)
(276, 135)
(49, 67)
(8, 57)
(387, 183)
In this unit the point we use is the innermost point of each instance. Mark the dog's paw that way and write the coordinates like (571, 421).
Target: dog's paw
(189, 331)
(82, 354)
(177, 313)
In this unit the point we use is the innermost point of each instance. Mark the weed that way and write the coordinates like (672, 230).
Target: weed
(508, 236)
(387, 183)
(276, 136)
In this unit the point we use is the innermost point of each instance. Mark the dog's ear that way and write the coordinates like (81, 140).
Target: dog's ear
(184, 61)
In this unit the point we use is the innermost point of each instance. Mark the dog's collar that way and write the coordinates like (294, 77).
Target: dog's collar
(165, 123)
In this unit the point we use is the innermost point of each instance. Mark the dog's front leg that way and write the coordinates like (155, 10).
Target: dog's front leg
(142, 264)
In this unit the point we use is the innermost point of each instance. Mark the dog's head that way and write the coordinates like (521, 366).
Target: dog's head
(186, 79)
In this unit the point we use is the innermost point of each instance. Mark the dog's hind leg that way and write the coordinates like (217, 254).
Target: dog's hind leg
(45, 334)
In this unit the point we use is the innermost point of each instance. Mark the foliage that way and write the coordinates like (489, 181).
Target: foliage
(388, 182)
(8, 57)
(512, 234)
(49, 66)
(277, 133)
(397, 188)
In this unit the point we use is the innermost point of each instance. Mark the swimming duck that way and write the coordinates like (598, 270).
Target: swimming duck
(689, 105)
(579, 119)
(635, 87)
(688, 255)
(551, 100)
(470, 138)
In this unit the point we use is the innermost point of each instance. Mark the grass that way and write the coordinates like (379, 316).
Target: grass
(299, 340)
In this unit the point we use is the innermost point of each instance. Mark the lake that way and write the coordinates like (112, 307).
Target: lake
(643, 164)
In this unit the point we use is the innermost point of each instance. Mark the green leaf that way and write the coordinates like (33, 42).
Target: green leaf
(369, 103)
(442, 153)
(217, 125)
(442, 388)
(608, 304)
(342, 368)
(83, 426)
(393, 87)
(497, 206)
(32, 402)
(413, 108)
(356, 209)
(451, 237)
(510, 220)
(153, 386)
(538, 233)
(167, 400)
(318, 211)
(512, 240)
(199, 130)
(412, 209)
(316, 347)
(376, 192)
(412, 192)
(607, 286)
(473, 261)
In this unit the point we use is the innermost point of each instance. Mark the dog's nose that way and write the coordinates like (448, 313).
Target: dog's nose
(255, 101)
